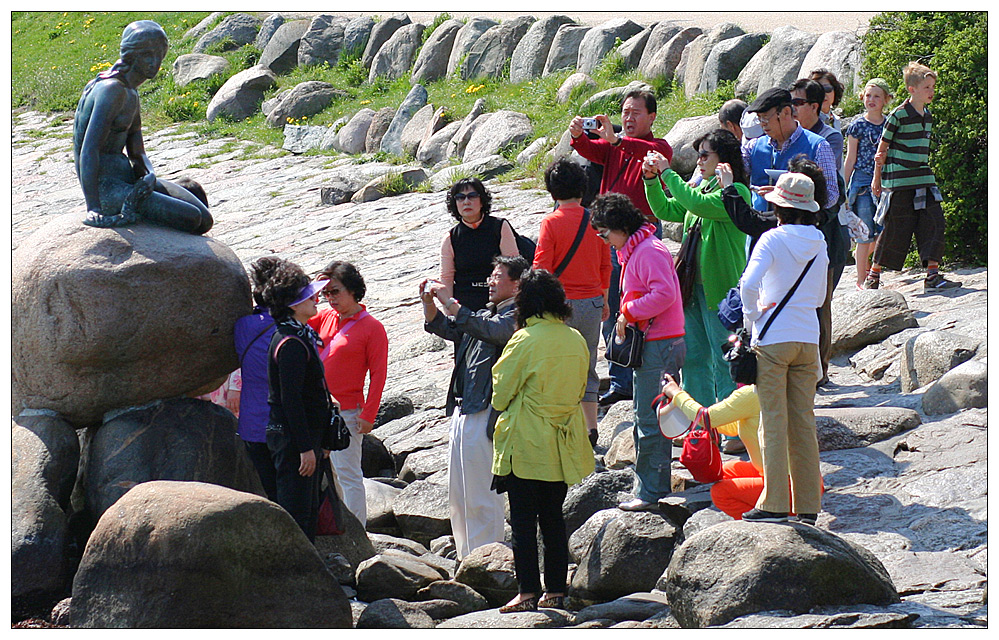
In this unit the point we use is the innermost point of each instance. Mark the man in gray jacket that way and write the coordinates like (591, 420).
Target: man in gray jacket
(477, 512)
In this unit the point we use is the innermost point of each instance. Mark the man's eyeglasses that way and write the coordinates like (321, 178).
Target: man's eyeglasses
(765, 120)
(798, 101)
(471, 195)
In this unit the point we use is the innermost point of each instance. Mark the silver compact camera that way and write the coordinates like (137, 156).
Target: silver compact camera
(590, 124)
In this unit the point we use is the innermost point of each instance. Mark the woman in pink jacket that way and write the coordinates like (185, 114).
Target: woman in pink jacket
(650, 298)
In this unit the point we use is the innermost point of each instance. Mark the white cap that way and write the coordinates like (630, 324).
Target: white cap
(750, 124)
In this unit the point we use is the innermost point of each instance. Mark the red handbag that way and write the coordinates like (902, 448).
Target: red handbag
(701, 454)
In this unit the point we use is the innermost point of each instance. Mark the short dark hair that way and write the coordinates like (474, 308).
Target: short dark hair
(285, 283)
(802, 164)
(349, 277)
(261, 271)
(729, 150)
(540, 292)
(565, 179)
(644, 95)
(814, 92)
(484, 196)
(830, 77)
(515, 265)
(615, 211)
(732, 111)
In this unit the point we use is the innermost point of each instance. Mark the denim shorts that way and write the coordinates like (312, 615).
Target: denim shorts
(863, 204)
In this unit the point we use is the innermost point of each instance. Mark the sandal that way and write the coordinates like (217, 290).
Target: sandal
(551, 602)
(530, 604)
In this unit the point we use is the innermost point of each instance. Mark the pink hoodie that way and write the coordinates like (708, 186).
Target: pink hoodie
(650, 287)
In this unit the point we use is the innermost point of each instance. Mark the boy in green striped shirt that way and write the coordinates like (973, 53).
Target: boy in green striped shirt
(911, 197)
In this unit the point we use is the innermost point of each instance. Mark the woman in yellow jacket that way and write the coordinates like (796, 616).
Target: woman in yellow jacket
(540, 445)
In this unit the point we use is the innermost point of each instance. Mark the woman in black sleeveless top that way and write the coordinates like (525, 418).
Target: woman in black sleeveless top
(469, 248)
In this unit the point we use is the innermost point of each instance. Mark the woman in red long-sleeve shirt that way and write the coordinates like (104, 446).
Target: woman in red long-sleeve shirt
(356, 346)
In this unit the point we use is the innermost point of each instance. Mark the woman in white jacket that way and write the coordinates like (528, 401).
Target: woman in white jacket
(787, 354)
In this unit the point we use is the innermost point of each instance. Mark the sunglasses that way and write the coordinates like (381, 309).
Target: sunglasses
(471, 195)
(703, 155)
(604, 234)
(798, 101)
(332, 293)
(828, 88)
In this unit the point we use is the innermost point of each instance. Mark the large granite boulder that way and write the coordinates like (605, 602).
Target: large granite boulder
(322, 41)
(380, 33)
(188, 555)
(504, 128)
(864, 317)
(489, 571)
(202, 27)
(355, 36)
(281, 53)
(564, 52)
(966, 386)
(422, 510)
(376, 131)
(176, 439)
(353, 545)
(392, 575)
(414, 101)
(241, 95)
(267, 30)
(301, 138)
(662, 33)
(850, 427)
(664, 62)
(728, 58)
(351, 137)
(420, 465)
(304, 100)
(456, 147)
(528, 59)
(681, 139)
(736, 568)
(419, 126)
(467, 598)
(395, 57)
(45, 452)
(464, 40)
(697, 52)
(233, 32)
(626, 553)
(777, 63)
(597, 492)
(395, 613)
(434, 148)
(533, 150)
(840, 53)
(489, 55)
(599, 40)
(76, 293)
(929, 355)
(631, 50)
(197, 66)
(431, 63)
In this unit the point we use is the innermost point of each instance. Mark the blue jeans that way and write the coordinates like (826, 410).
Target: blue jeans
(862, 203)
(653, 452)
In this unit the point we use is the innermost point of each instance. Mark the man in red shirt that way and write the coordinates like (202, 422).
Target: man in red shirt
(621, 158)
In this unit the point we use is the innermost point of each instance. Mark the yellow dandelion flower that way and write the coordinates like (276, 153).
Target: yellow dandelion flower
(195, 104)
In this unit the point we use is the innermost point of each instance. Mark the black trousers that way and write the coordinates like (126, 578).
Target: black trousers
(297, 494)
(260, 456)
(535, 503)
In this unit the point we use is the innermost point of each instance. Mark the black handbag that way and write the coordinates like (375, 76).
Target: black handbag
(628, 352)
(686, 262)
(738, 351)
(339, 432)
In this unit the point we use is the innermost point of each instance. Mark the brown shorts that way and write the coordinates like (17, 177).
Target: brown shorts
(901, 222)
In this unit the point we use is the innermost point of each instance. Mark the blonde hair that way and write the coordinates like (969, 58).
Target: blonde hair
(914, 73)
(876, 83)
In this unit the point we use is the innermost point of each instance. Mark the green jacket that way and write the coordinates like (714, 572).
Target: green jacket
(723, 246)
(538, 384)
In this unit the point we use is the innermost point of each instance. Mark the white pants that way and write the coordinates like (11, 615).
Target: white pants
(347, 464)
(477, 512)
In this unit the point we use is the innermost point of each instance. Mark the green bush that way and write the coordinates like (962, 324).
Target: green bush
(955, 45)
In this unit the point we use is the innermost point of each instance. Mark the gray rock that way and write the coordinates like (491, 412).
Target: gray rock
(528, 59)
(464, 40)
(485, 169)
(701, 520)
(417, 129)
(489, 55)
(239, 28)
(698, 51)
(963, 387)
(631, 50)
(414, 101)
(420, 465)
(851, 427)
(868, 316)
(380, 33)
(777, 63)
(930, 355)
(571, 84)
(339, 566)
(322, 41)
(419, 431)
(434, 149)
(662, 33)
(393, 407)
(355, 36)
(681, 138)
(636, 606)
(393, 576)
(60, 612)
(422, 511)
(395, 57)
(840, 53)
(615, 95)
(874, 360)
(379, 125)
(564, 52)
(532, 151)
(503, 129)
(141, 568)
(431, 63)
(268, 105)
(788, 566)
(199, 29)
(599, 40)
(457, 145)
(845, 617)
(241, 95)
(350, 139)
(281, 53)
(626, 553)
(199, 436)
(394, 613)
(380, 187)
(300, 138)
(267, 30)
(728, 58)
(380, 498)
(197, 66)
(663, 62)
(383, 543)
(597, 491)
(466, 598)
(68, 353)
(353, 545)
(493, 619)
(444, 547)
(304, 100)
(674, 230)
(619, 418)
(489, 571)
(342, 182)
